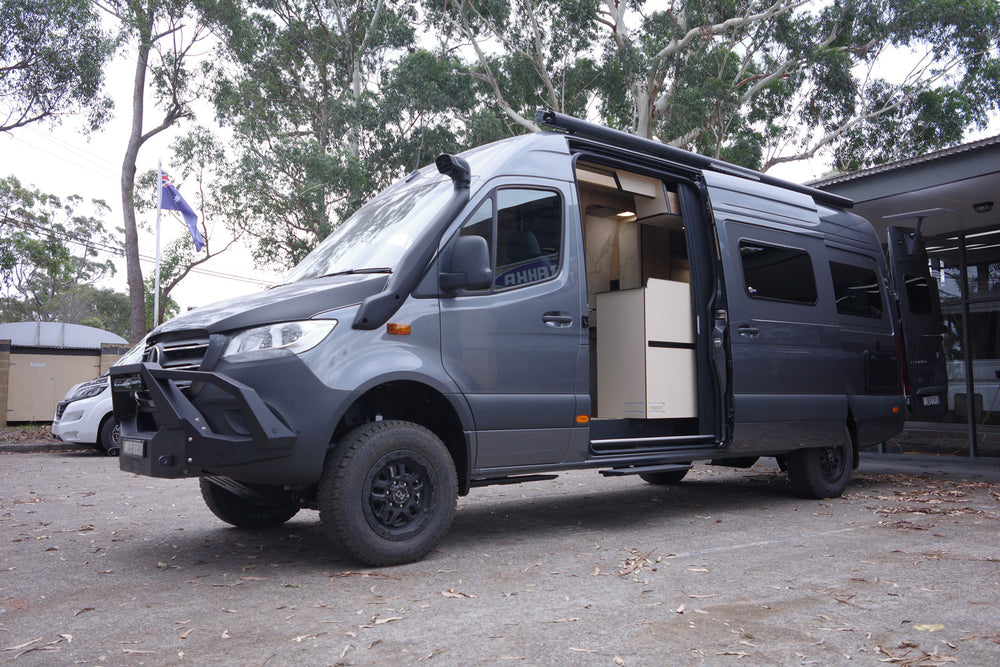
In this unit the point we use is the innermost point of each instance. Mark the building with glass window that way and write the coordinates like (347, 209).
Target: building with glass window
(954, 196)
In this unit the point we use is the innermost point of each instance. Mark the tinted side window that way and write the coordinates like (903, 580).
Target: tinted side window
(481, 224)
(856, 290)
(529, 236)
(773, 272)
(918, 294)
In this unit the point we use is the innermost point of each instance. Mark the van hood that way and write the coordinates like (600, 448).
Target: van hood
(286, 303)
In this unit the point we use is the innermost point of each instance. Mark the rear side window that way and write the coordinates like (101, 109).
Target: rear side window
(779, 273)
(918, 294)
(856, 290)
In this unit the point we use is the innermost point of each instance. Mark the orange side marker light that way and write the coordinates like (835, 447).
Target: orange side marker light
(582, 419)
(400, 329)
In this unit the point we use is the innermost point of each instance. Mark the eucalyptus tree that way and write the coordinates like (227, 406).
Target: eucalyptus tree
(165, 38)
(758, 82)
(49, 247)
(328, 102)
(296, 91)
(52, 59)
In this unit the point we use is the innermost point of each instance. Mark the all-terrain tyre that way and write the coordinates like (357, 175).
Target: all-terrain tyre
(109, 438)
(666, 478)
(244, 512)
(388, 493)
(821, 472)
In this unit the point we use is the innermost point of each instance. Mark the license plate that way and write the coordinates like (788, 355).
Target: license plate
(133, 447)
(932, 400)
(126, 383)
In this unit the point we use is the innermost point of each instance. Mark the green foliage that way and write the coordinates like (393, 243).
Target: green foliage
(99, 307)
(756, 82)
(328, 104)
(52, 59)
(49, 251)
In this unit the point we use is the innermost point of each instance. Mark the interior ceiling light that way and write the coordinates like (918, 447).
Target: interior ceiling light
(983, 207)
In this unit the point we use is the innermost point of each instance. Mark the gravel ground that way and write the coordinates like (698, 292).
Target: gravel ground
(103, 567)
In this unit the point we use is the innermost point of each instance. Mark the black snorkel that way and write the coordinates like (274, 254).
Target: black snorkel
(377, 309)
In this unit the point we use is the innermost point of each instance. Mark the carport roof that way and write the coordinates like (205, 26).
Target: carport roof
(952, 178)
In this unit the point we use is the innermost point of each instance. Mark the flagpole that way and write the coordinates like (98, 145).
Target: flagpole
(159, 209)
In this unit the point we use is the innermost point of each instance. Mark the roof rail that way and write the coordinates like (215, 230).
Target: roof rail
(584, 129)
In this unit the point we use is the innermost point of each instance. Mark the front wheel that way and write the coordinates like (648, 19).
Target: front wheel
(822, 472)
(110, 436)
(243, 509)
(388, 493)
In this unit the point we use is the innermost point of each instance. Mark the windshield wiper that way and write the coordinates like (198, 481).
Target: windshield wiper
(351, 272)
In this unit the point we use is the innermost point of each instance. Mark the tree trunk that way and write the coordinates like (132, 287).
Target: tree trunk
(643, 111)
(136, 289)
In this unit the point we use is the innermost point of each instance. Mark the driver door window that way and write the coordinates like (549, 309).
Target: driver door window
(527, 226)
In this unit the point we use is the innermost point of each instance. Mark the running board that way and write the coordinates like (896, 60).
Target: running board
(655, 440)
(639, 470)
(515, 479)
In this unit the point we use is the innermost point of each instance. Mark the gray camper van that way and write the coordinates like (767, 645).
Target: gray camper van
(574, 298)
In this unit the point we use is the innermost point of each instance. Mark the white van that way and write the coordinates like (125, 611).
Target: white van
(85, 414)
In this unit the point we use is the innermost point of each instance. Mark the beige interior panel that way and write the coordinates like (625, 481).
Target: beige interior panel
(671, 383)
(635, 380)
(621, 362)
(668, 311)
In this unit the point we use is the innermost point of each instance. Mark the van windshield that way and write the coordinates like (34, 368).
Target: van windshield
(130, 357)
(377, 236)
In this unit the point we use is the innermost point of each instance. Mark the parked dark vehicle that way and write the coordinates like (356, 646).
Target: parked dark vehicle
(575, 298)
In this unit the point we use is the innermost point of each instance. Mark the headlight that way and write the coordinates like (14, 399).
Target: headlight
(87, 391)
(277, 340)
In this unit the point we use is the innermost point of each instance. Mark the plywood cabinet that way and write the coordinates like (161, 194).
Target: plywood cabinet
(645, 353)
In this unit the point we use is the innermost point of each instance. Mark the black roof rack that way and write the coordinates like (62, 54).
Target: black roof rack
(584, 129)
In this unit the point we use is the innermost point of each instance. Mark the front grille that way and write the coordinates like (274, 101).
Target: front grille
(60, 409)
(180, 354)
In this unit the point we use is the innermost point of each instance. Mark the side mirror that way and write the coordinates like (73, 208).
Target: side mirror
(470, 265)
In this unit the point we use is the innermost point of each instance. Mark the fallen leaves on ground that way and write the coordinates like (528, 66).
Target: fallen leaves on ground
(915, 658)
(29, 646)
(918, 495)
(451, 593)
(634, 562)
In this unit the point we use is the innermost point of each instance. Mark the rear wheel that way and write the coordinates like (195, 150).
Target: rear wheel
(822, 472)
(667, 478)
(388, 493)
(244, 510)
(110, 436)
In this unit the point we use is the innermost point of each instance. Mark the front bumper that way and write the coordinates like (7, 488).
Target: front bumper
(217, 424)
(80, 421)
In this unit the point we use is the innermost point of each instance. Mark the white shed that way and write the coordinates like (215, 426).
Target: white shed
(40, 361)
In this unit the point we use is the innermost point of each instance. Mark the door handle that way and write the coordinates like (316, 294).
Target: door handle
(557, 320)
(748, 330)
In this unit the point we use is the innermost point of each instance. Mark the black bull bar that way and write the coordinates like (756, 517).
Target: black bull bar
(184, 442)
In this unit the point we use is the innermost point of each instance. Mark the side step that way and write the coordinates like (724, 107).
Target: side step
(516, 479)
(638, 470)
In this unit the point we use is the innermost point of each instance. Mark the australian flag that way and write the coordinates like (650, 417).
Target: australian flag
(172, 201)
